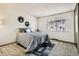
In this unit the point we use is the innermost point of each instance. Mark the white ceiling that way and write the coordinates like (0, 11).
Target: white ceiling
(41, 9)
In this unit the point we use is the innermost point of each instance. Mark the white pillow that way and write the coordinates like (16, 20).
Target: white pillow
(28, 30)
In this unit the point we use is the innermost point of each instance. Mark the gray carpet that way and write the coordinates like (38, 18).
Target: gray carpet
(60, 49)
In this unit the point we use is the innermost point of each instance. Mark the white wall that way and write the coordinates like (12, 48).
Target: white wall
(68, 35)
(8, 29)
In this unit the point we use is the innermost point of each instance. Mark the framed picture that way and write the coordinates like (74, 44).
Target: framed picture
(20, 19)
(51, 25)
(26, 23)
(60, 25)
(57, 25)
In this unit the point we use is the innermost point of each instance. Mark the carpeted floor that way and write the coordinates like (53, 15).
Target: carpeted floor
(60, 49)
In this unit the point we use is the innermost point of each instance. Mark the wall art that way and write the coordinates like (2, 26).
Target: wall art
(57, 25)
(20, 19)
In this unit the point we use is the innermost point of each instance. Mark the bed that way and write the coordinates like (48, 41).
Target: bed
(31, 40)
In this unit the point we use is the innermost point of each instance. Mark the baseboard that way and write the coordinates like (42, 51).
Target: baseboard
(63, 41)
(7, 44)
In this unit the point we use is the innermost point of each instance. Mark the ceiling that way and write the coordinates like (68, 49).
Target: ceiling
(41, 9)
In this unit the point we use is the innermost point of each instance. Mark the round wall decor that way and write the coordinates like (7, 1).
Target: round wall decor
(20, 19)
(26, 23)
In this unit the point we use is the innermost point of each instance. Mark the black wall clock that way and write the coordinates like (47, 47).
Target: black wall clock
(26, 23)
(20, 19)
